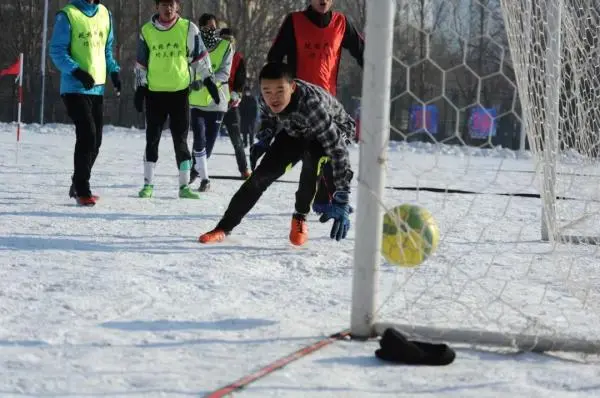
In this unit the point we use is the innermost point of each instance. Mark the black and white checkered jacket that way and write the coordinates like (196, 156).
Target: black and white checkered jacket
(314, 114)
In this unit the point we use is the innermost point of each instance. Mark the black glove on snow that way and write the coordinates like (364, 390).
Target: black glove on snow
(85, 78)
(138, 98)
(116, 81)
(213, 90)
(256, 151)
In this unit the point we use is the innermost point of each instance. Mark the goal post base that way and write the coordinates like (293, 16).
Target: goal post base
(521, 342)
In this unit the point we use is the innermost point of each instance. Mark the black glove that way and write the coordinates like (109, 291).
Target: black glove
(256, 151)
(213, 90)
(196, 85)
(340, 212)
(138, 98)
(85, 78)
(116, 81)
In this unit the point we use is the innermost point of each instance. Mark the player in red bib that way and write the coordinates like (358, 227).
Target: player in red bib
(311, 42)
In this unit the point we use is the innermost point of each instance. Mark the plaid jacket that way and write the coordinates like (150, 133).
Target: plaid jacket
(314, 114)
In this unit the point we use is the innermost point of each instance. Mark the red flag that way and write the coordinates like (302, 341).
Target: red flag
(14, 69)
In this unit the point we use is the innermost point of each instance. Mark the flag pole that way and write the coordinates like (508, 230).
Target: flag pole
(43, 65)
(20, 78)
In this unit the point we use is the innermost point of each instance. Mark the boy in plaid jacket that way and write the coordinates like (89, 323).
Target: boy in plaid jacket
(299, 122)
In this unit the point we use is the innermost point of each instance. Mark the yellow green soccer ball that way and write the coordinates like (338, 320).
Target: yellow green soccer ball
(410, 235)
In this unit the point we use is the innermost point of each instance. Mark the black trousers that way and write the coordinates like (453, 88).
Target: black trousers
(248, 132)
(326, 186)
(323, 176)
(86, 111)
(232, 121)
(175, 106)
(283, 152)
(206, 126)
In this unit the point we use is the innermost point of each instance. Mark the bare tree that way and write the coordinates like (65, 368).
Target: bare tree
(256, 24)
(256, 21)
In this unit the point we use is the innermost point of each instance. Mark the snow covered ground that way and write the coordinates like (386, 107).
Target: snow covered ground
(120, 300)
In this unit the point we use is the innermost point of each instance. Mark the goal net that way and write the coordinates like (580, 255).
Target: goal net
(486, 114)
(554, 47)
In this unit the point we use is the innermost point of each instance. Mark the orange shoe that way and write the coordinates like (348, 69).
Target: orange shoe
(73, 193)
(298, 230)
(86, 201)
(214, 236)
(246, 174)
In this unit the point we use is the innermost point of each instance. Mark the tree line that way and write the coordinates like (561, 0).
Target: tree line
(256, 23)
(450, 53)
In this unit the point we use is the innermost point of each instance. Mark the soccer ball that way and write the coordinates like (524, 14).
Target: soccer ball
(410, 235)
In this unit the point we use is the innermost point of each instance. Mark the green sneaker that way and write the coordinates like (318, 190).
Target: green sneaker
(186, 193)
(147, 191)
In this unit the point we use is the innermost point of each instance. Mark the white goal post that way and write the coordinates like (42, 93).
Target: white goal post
(544, 296)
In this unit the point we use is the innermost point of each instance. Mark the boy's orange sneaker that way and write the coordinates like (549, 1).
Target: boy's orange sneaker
(214, 236)
(86, 201)
(298, 230)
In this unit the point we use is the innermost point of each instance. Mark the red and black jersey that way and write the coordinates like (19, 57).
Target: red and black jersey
(237, 76)
(312, 43)
(318, 50)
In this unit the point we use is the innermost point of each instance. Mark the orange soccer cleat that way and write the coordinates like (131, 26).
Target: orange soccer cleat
(298, 230)
(214, 236)
(87, 201)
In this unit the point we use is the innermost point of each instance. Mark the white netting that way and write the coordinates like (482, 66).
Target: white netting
(557, 63)
(457, 117)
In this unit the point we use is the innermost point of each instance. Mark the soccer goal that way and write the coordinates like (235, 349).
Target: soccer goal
(493, 108)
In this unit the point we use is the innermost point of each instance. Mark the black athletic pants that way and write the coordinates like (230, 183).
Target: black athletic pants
(232, 121)
(283, 152)
(248, 132)
(325, 182)
(86, 111)
(326, 186)
(159, 106)
(206, 126)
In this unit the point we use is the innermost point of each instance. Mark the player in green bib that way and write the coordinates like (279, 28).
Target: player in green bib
(170, 57)
(81, 48)
(207, 114)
